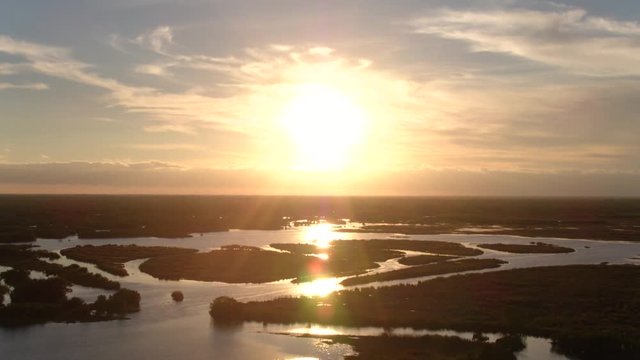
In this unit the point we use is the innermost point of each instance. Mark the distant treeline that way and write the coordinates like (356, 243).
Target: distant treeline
(23, 218)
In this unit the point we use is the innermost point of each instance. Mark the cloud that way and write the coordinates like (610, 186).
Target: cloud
(163, 147)
(157, 40)
(569, 38)
(157, 177)
(33, 86)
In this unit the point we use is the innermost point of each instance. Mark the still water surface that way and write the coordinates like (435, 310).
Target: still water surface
(168, 330)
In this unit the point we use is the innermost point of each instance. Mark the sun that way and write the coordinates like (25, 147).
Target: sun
(324, 125)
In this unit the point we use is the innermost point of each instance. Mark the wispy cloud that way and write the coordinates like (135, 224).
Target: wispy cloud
(32, 86)
(565, 37)
(164, 147)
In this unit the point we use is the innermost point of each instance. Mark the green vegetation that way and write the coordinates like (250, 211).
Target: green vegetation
(231, 266)
(22, 218)
(247, 264)
(428, 347)
(424, 259)
(16, 235)
(225, 309)
(27, 258)
(35, 301)
(177, 296)
(444, 267)
(111, 258)
(3, 291)
(531, 248)
(436, 247)
(123, 301)
(577, 306)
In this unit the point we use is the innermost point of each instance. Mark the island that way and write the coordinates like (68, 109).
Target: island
(443, 267)
(37, 301)
(26, 257)
(301, 262)
(531, 248)
(111, 258)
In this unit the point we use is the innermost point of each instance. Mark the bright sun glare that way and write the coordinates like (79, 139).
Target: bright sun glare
(321, 235)
(320, 287)
(325, 125)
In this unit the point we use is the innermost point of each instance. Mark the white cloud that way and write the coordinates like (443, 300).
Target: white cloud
(32, 86)
(163, 147)
(156, 40)
(567, 38)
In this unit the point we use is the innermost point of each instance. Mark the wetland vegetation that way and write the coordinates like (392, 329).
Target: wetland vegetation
(444, 267)
(428, 347)
(111, 258)
(245, 264)
(531, 248)
(580, 307)
(30, 259)
(36, 301)
(25, 218)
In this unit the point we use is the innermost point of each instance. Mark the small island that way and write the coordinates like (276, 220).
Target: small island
(111, 258)
(177, 296)
(531, 248)
(428, 347)
(444, 267)
(425, 259)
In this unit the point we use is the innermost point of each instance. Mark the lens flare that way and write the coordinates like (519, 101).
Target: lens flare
(320, 287)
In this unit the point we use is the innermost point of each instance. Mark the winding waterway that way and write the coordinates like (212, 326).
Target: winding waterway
(168, 330)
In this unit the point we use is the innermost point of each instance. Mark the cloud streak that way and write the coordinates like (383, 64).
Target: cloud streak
(32, 86)
(157, 177)
(568, 38)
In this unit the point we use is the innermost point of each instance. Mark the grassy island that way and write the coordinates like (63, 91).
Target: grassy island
(246, 264)
(445, 267)
(531, 248)
(428, 347)
(111, 258)
(425, 259)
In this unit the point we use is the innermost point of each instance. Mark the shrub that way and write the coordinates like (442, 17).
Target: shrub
(226, 309)
(177, 296)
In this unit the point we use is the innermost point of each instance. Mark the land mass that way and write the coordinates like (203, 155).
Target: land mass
(591, 311)
(246, 264)
(30, 259)
(532, 248)
(25, 218)
(111, 258)
(444, 267)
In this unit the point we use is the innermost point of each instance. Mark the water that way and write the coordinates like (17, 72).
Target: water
(168, 330)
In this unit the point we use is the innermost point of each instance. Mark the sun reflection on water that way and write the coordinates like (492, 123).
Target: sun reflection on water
(315, 330)
(320, 287)
(321, 235)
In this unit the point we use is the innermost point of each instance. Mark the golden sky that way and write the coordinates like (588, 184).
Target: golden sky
(349, 97)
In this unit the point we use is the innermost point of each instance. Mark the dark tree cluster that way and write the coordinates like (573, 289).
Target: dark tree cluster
(35, 301)
(585, 309)
(30, 259)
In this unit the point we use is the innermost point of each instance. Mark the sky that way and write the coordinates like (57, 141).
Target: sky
(337, 97)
